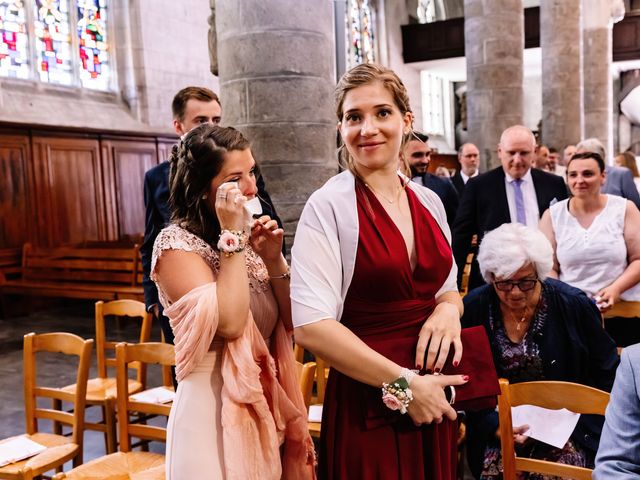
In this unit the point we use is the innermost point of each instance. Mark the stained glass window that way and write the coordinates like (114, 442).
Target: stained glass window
(360, 32)
(93, 46)
(56, 41)
(14, 46)
(53, 41)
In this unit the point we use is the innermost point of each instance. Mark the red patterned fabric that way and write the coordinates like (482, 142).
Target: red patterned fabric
(386, 306)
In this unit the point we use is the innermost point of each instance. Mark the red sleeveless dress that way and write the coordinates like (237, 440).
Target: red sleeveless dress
(386, 306)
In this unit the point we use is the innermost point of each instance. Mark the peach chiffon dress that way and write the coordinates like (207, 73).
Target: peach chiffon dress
(204, 439)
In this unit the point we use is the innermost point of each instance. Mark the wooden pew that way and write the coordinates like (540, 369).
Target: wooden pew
(97, 273)
(10, 261)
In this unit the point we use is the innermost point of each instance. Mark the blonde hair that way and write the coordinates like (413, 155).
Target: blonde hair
(366, 74)
(629, 161)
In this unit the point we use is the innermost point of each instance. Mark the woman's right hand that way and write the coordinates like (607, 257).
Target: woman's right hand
(429, 401)
(229, 207)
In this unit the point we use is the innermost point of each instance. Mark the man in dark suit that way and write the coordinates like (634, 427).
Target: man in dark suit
(192, 106)
(417, 154)
(469, 158)
(513, 192)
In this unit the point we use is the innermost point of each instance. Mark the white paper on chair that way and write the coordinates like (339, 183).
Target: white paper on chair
(549, 426)
(315, 413)
(154, 395)
(18, 449)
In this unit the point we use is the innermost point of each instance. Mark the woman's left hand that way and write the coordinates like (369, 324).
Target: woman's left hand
(266, 239)
(607, 297)
(439, 332)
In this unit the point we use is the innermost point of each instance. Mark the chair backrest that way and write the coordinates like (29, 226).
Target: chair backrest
(306, 372)
(624, 309)
(119, 308)
(547, 394)
(322, 372)
(67, 344)
(146, 353)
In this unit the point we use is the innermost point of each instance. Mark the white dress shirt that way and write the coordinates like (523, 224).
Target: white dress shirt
(529, 196)
(466, 178)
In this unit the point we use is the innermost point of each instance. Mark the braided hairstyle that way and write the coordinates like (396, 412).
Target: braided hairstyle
(195, 162)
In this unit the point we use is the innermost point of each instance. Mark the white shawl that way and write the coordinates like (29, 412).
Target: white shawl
(323, 256)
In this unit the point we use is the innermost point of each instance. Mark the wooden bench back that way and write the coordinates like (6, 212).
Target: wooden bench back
(113, 265)
(10, 261)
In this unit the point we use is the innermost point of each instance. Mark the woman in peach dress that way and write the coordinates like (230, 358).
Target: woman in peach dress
(224, 284)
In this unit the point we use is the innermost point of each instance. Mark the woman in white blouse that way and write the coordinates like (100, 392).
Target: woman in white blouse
(595, 238)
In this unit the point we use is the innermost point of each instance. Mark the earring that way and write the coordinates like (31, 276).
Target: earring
(205, 196)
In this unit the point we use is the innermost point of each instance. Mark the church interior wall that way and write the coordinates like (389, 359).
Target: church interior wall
(159, 47)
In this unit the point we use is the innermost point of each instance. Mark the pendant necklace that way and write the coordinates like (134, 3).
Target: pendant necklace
(521, 321)
(382, 196)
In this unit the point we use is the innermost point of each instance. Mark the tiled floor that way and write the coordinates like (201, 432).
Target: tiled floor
(74, 317)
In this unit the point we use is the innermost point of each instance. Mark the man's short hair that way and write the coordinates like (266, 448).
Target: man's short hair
(553, 150)
(423, 137)
(179, 103)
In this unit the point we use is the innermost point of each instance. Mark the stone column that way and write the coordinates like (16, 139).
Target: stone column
(597, 57)
(494, 45)
(561, 42)
(277, 74)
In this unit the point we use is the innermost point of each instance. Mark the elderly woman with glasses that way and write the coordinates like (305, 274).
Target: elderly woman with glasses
(539, 329)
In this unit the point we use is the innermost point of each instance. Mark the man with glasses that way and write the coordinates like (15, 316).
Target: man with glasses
(417, 155)
(512, 192)
(191, 106)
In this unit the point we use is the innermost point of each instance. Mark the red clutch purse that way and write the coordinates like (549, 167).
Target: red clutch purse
(481, 391)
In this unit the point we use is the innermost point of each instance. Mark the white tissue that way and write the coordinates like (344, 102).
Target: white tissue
(253, 206)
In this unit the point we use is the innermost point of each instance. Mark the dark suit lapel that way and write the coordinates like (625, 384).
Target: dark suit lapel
(538, 186)
(501, 192)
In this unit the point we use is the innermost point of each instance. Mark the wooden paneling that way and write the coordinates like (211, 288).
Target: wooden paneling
(15, 214)
(445, 38)
(62, 186)
(125, 163)
(68, 190)
(164, 148)
(626, 39)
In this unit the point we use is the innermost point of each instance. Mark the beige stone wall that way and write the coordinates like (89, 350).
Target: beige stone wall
(277, 75)
(160, 47)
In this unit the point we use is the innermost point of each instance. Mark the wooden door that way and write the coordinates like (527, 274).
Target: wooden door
(16, 208)
(125, 163)
(68, 190)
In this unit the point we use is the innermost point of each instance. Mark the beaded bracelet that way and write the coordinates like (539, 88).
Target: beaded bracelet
(397, 395)
(231, 242)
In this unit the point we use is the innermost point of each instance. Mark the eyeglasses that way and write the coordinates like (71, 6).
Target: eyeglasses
(524, 285)
(421, 154)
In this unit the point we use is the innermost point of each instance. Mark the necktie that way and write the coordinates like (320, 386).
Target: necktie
(521, 216)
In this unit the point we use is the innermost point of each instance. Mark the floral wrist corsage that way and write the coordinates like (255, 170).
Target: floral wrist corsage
(397, 395)
(232, 241)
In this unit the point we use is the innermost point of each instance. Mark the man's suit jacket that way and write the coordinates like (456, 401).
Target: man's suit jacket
(484, 207)
(447, 193)
(458, 182)
(619, 181)
(619, 453)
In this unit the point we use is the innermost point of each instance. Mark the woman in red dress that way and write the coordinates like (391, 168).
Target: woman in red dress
(374, 293)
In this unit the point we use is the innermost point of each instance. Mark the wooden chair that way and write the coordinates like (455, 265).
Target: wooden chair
(547, 394)
(624, 309)
(60, 449)
(127, 463)
(101, 391)
(306, 372)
